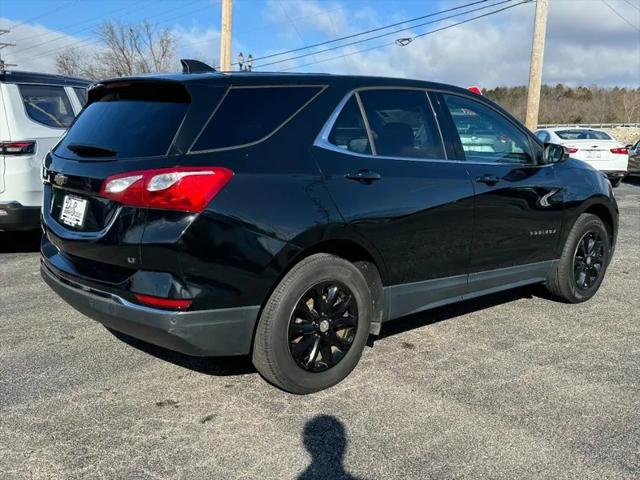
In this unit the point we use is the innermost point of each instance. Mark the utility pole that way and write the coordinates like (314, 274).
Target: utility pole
(3, 65)
(535, 69)
(225, 35)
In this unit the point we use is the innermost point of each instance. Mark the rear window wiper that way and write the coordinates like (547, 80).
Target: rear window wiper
(85, 150)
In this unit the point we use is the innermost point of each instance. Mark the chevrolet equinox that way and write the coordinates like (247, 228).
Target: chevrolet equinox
(288, 216)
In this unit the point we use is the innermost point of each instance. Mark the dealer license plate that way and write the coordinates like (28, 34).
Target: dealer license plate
(73, 211)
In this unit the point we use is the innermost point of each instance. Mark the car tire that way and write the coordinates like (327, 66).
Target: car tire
(278, 354)
(576, 263)
(615, 183)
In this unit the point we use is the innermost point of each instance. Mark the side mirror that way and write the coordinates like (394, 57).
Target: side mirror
(554, 153)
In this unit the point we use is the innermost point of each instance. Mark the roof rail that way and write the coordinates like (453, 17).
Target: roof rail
(195, 66)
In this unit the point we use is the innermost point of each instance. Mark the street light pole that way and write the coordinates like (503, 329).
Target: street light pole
(535, 69)
(225, 35)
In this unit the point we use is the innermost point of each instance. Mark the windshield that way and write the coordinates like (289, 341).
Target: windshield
(582, 135)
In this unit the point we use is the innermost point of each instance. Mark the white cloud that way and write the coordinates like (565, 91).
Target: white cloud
(203, 45)
(327, 17)
(586, 44)
(36, 46)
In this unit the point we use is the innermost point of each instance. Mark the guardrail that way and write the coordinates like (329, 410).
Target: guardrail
(590, 125)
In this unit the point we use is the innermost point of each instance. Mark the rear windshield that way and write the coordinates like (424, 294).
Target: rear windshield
(47, 105)
(135, 120)
(250, 114)
(582, 135)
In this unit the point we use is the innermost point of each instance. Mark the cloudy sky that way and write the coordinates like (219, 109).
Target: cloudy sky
(589, 42)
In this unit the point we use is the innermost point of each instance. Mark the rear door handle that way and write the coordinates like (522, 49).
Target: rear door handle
(364, 176)
(488, 179)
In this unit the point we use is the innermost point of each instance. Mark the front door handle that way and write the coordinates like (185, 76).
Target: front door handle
(364, 176)
(488, 179)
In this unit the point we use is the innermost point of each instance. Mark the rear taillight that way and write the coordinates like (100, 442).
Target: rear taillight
(571, 150)
(187, 189)
(17, 148)
(166, 303)
(620, 151)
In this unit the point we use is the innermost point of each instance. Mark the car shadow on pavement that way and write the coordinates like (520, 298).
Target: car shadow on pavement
(216, 366)
(20, 242)
(439, 314)
(635, 180)
(325, 439)
(241, 365)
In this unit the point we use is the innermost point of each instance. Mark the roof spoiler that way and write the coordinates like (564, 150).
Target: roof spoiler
(195, 66)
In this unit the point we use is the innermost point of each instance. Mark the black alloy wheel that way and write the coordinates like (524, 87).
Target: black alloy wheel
(323, 326)
(588, 262)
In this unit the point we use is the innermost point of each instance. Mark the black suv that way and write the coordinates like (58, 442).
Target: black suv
(287, 217)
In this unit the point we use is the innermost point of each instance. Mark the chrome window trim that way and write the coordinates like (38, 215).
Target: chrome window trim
(190, 151)
(322, 139)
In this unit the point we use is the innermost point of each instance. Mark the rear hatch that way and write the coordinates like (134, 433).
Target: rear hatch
(127, 126)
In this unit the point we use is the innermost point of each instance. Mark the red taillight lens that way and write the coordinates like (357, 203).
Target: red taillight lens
(187, 189)
(571, 150)
(620, 151)
(17, 148)
(160, 302)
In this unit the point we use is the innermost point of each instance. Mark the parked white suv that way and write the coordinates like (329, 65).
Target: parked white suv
(596, 147)
(35, 110)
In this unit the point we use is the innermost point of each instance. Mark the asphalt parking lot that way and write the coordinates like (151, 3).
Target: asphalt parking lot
(510, 386)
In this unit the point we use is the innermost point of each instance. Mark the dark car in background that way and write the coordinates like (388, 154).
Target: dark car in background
(288, 216)
(634, 159)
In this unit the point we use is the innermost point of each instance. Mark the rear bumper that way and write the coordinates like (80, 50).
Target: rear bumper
(15, 216)
(219, 332)
(613, 174)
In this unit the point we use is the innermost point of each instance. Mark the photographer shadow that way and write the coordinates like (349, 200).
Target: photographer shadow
(325, 439)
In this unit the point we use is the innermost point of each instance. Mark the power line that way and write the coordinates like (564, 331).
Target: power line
(76, 31)
(38, 17)
(295, 28)
(621, 16)
(637, 7)
(83, 43)
(389, 33)
(373, 30)
(4, 65)
(431, 32)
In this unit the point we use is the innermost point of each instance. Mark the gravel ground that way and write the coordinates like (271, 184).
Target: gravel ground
(510, 386)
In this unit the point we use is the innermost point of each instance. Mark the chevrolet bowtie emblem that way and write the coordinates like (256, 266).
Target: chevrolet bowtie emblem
(60, 179)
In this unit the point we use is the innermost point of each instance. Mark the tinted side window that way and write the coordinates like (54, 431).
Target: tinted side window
(81, 93)
(349, 131)
(47, 105)
(402, 124)
(487, 136)
(249, 114)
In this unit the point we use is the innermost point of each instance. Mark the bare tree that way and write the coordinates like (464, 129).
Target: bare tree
(126, 49)
(631, 104)
(563, 104)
